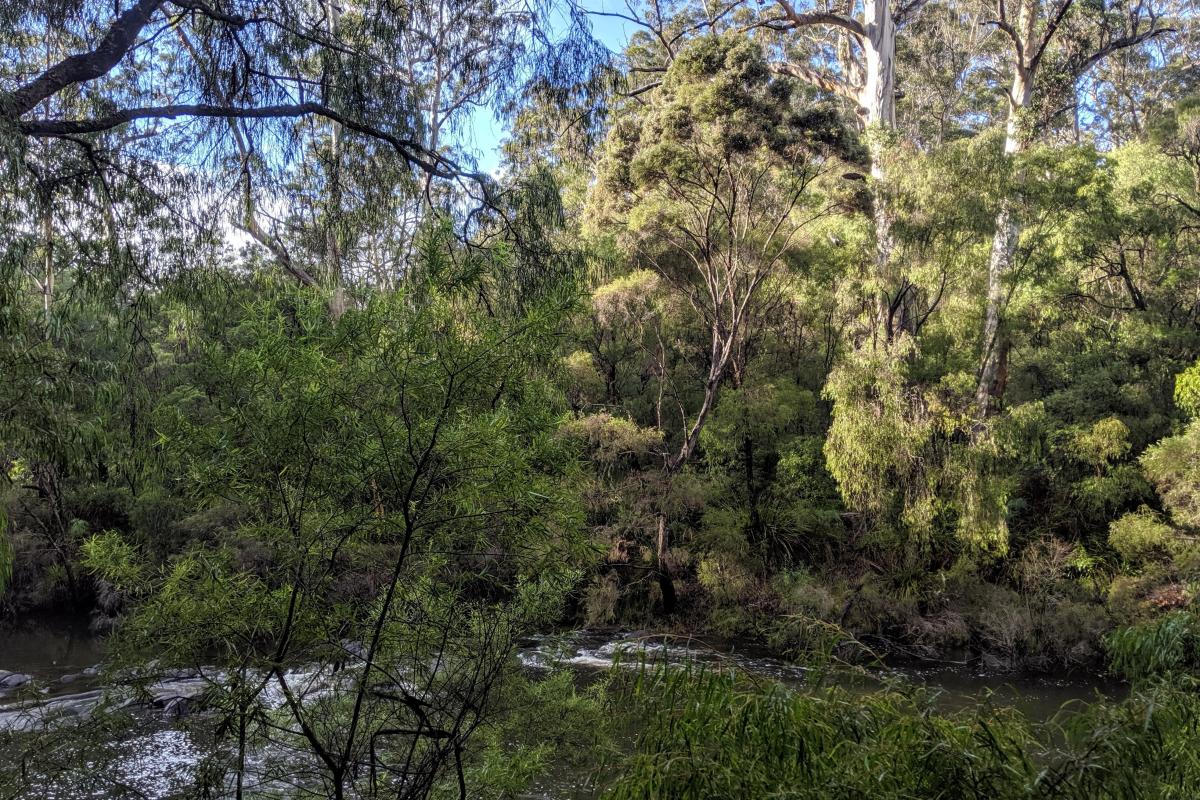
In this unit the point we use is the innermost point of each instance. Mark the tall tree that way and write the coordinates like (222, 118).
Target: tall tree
(1074, 39)
(712, 182)
(864, 74)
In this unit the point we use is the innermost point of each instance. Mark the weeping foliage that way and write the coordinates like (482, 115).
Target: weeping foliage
(902, 459)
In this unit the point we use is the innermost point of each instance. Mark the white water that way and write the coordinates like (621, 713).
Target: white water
(160, 755)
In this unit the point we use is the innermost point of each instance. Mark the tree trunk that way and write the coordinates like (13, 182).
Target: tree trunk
(877, 107)
(1004, 245)
(333, 252)
(666, 584)
(878, 95)
(870, 81)
(721, 352)
(989, 390)
(48, 259)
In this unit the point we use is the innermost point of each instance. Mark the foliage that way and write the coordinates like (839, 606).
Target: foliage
(1140, 537)
(1187, 390)
(714, 734)
(897, 456)
(1173, 466)
(1168, 647)
(299, 396)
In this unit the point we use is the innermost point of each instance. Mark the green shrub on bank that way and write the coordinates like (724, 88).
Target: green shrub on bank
(1167, 647)
(721, 735)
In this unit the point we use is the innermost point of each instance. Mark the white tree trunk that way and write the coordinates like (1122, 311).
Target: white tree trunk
(990, 386)
(877, 97)
(877, 106)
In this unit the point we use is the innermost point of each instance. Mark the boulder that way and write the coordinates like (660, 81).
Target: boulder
(177, 707)
(11, 680)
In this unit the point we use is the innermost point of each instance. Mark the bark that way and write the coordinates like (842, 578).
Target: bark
(878, 95)
(871, 84)
(757, 532)
(674, 464)
(989, 390)
(877, 106)
(666, 582)
(1004, 245)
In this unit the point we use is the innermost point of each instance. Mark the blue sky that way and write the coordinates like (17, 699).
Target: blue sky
(486, 133)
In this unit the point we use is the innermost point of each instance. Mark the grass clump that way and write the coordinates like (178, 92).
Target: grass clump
(723, 735)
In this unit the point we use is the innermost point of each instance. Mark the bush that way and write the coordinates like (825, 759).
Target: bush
(719, 735)
(1140, 537)
(1173, 466)
(1168, 646)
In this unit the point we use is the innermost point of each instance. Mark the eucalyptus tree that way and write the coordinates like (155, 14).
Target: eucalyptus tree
(711, 184)
(252, 96)
(862, 71)
(1051, 45)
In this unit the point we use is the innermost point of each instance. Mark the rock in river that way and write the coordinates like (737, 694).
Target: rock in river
(11, 680)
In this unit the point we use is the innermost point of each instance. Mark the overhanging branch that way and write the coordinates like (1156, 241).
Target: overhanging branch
(87, 66)
(412, 152)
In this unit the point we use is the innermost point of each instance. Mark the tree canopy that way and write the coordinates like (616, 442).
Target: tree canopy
(851, 330)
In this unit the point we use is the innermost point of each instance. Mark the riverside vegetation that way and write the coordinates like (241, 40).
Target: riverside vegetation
(859, 331)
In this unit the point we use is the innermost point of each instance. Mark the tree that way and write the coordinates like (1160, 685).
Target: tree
(247, 100)
(865, 74)
(398, 524)
(1084, 41)
(713, 183)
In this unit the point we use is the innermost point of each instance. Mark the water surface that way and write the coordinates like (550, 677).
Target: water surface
(158, 754)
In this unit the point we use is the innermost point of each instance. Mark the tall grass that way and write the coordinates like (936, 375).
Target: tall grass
(1165, 647)
(711, 735)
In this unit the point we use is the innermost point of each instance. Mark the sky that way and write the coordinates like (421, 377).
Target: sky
(485, 133)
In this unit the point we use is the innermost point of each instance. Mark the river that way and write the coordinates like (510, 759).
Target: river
(156, 756)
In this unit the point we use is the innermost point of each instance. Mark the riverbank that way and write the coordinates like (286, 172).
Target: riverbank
(158, 748)
(65, 665)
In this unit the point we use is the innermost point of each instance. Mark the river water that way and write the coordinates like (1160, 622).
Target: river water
(156, 757)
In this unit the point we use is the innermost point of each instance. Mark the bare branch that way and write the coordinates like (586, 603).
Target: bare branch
(1011, 32)
(642, 89)
(1055, 20)
(819, 79)
(809, 18)
(1133, 40)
